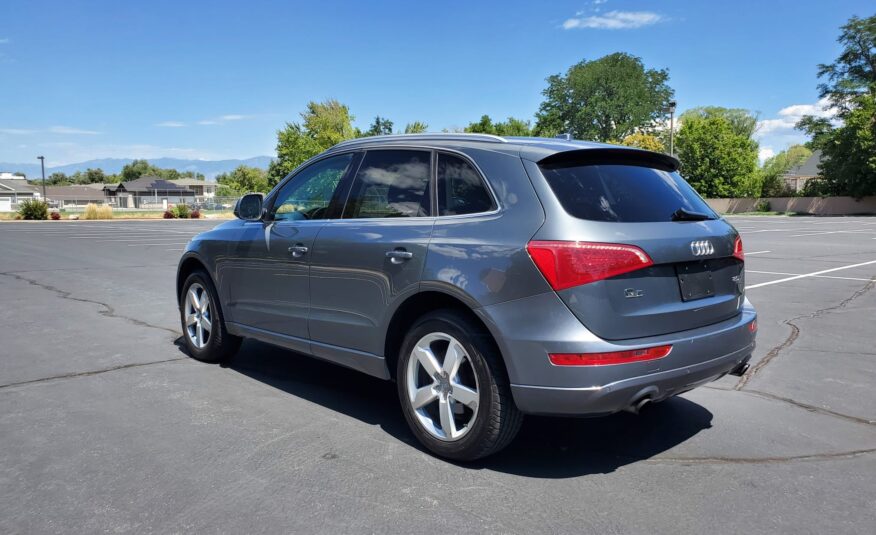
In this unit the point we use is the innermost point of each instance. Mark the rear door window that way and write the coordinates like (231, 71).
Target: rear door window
(391, 183)
(622, 193)
(461, 190)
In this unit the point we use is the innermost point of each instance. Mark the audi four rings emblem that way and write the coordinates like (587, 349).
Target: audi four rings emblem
(702, 248)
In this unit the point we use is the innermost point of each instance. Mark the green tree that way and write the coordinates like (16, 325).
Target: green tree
(136, 169)
(742, 121)
(715, 159)
(243, 179)
(848, 162)
(323, 125)
(380, 127)
(416, 127)
(93, 176)
(608, 98)
(57, 179)
(645, 141)
(511, 127)
(771, 183)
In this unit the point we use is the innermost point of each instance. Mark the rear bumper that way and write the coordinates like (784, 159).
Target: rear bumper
(619, 395)
(698, 356)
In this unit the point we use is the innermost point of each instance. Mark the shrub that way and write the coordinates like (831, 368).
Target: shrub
(168, 215)
(762, 205)
(95, 211)
(181, 211)
(196, 214)
(55, 216)
(33, 209)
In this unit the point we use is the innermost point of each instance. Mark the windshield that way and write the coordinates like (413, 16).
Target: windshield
(622, 193)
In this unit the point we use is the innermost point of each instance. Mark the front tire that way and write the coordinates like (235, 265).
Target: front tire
(203, 325)
(453, 388)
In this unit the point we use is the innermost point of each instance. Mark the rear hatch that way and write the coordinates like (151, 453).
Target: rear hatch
(671, 264)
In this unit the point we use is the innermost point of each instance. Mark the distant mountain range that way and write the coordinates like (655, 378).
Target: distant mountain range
(210, 168)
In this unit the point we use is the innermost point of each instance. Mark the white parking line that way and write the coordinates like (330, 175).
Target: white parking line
(813, 276)
(757, 252)
(795, 277)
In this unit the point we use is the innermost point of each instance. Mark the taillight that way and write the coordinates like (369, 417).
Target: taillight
(737, 249)
(609, 358)
(567, 263)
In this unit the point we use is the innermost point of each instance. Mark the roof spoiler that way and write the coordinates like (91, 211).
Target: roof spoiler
(612, 156)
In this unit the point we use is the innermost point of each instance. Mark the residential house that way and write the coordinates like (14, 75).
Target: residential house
(15, 190)
(202, 188)
(797, 176)
(147, 192)
(77, 195)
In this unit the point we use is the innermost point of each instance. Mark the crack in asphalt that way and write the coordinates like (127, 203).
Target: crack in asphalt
(795, 333)
(761, 460)
(811, 408)
(109, 311)
(92, 372)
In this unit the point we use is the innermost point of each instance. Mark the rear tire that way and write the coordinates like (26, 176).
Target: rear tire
(203, 324)
(453, 388)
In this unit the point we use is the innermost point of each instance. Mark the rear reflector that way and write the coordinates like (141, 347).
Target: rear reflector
(737, 249)
(752, 327)
(568, 263)
(614, 357)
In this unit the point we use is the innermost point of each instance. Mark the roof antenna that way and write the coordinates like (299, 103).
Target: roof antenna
(567, 136)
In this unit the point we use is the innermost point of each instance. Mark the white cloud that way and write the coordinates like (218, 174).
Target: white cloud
(171, 124)
(51, 130)
(17, 131)
(66, 153)
(224, 119)
(71, 131)
(790, 115)
(4, 41)
(764, 153)
(779, 132)
(615, 20)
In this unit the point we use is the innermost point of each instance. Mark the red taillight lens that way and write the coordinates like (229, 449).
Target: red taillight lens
(737, 249)
(613, 357)
(567, 263)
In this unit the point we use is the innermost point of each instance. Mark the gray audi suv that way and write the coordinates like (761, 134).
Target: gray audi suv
(489, 277)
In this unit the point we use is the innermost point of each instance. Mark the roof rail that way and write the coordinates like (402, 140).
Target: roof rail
(425, 137)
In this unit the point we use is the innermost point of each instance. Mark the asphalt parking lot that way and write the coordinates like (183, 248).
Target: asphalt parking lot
(106, 425)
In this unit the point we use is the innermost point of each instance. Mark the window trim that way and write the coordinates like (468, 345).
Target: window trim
(339, 192)
(481, 175)
(431, 184)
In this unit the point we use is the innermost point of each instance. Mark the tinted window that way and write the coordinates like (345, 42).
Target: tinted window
(308, 194)
(391, 183)
(622, 193)
(460, 188)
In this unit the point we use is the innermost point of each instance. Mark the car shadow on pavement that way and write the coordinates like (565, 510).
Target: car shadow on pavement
(545, 447)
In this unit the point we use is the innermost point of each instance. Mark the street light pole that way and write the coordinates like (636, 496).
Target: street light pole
(672, 128)
(42, 160)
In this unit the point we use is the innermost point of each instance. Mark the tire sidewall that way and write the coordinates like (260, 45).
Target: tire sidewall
(211, 351)
(474, 344)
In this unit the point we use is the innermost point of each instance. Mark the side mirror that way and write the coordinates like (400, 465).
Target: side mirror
(249, 207)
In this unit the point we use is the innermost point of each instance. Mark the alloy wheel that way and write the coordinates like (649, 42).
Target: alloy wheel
(198, 316)
(442, 386)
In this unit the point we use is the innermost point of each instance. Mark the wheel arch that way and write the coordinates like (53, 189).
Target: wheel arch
(419, 304)
(187, 266)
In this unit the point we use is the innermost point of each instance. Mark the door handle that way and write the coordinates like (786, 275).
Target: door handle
(298, 250)
(397, 256)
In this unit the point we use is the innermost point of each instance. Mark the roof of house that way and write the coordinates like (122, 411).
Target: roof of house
(16, 185)
(808, 168)
(74, 193)
(148, 184)
(186, 182)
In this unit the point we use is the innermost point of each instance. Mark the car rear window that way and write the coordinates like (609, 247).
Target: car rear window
(622, 193)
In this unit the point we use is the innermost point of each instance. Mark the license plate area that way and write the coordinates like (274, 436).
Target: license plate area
(695, 280)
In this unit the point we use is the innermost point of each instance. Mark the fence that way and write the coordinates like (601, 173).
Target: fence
(801, 205)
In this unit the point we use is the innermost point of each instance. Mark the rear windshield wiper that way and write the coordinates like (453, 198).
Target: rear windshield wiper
(686, 215)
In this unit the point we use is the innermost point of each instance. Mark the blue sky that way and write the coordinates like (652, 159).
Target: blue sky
(210, 80)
